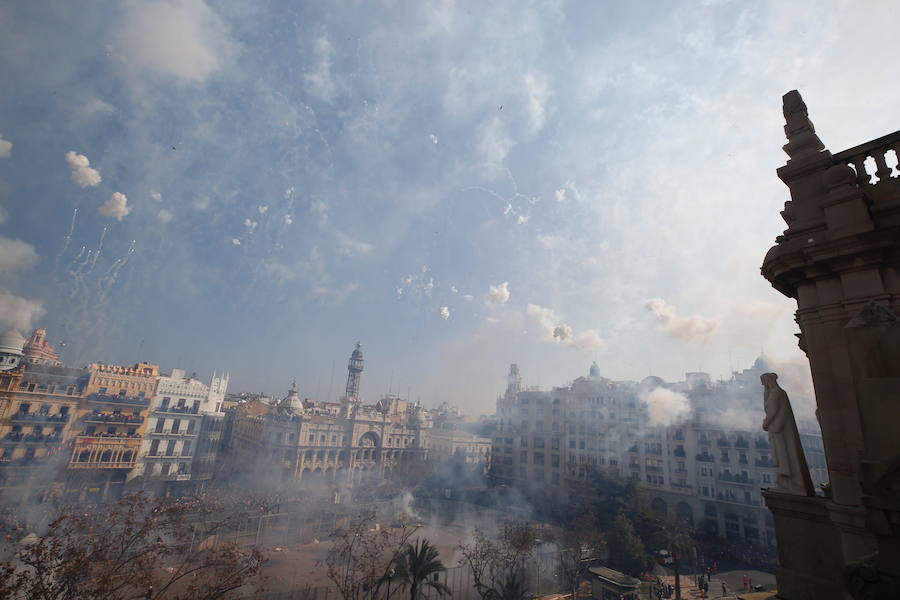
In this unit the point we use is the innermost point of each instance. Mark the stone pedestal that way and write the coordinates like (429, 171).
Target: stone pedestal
(809, 547)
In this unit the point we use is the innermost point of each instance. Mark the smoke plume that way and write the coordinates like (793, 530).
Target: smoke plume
(665, 407)
(19, 313)
(498, 294)
(16, 255)
(82, 173)
(682, 328)
(116, 207)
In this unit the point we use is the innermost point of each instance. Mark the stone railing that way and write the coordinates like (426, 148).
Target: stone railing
(877, 150)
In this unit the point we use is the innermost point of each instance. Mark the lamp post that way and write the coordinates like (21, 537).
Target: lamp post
(390, 575)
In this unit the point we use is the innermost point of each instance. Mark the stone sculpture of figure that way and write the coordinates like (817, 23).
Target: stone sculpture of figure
(787, 453)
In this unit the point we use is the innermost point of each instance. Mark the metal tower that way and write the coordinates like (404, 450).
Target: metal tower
(354, 370)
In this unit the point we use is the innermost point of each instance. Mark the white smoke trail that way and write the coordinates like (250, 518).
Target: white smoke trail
(99, 249)
(66, 240)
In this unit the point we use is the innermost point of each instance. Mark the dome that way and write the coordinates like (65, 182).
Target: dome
(595, 370)
(11, 344)
(292, 401)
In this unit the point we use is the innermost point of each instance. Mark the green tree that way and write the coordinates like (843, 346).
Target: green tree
(626, 551)
(414, 567)
(677, 537)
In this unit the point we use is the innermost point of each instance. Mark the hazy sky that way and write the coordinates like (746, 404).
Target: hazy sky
(457, 185)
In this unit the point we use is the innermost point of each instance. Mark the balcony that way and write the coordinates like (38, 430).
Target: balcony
(682, 486)
(705, 457)
(741, 443)
(703, 442)
(761, 444)
(736, 479)
(170, 432)
(763, 463)
(97, 417)
(653, 469)
(104, 452)
(39, 418)
(32, 438)
(111, 399)
(679, 452)
(25, 461)
(172, 455)
(723, 443)
(179, 410)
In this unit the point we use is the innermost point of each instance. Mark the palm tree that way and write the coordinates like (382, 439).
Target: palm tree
(511, 587)
(414, 567)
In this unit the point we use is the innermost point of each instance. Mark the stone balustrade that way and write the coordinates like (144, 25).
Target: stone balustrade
(878, 150)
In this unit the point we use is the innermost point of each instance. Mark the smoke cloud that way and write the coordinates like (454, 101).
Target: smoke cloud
(554, 331)
(19, 313)
(82, 173)
(116, 207)
(560, 195)
(164, 216)
(498, 294)
(5, 147)
(682, 328)
(665, 407)
(16, 255)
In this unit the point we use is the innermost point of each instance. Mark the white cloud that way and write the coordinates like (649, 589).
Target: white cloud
(94, 107)
(444, 312)
(82, 173)
(320, 79)
(560, 195)
(468, 297)
(16, 255)
(5, 147)
(164, 216)
(156, 196)
(665, 407)
(682, 328)
(453, 289)
(235, 242)
(352, 248)
(184, 39)
(547, 241)
(498, 294)
(288, 219)
(521, 220)
(250, 224)
(116, 207)
(433, 138)
(538, 94)
(507, 208)
(263, 209)
(429, 285)
(19, 313)
(399, 291)
(588, 340)
(552, 330)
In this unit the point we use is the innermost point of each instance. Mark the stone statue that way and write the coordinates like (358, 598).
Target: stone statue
(787, 453)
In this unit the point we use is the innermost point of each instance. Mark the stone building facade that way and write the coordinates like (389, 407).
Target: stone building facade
(703, 469)
(839, 258)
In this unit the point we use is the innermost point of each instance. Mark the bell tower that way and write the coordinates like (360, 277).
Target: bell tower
(354, 371)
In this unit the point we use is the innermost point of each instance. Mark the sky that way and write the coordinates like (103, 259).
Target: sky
(255, 187)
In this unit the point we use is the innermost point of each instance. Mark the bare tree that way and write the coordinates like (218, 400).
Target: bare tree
(578, 544)
(139, 548)
(363, 553)
(498, 567)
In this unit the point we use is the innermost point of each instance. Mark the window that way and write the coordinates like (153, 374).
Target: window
(154, 447)
(24, 408)
(523, 456)
(523, 442)
(176, 425)
(190, 427)
(538, 442)
(170, 448)
(572, 444)
(555, 460)
(160, 423)
(186, 448)
(165, 403)
(539, 458)
(554, 444)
